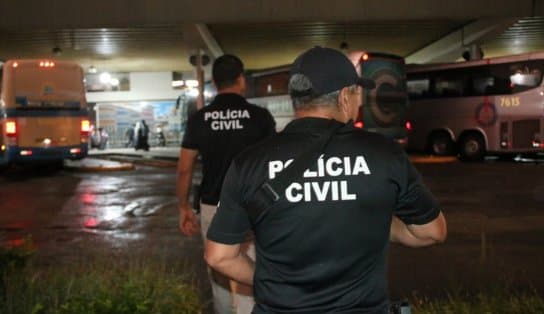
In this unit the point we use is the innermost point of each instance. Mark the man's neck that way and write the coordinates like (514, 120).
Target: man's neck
(231, 90)
(319, 112)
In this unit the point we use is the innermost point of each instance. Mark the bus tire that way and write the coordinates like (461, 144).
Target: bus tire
(472, 147)
(440, 144)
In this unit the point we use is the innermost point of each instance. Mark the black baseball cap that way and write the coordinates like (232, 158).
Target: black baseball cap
(327, 70)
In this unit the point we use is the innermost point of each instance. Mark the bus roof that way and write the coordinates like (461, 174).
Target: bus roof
(38, 62)
(417, 68)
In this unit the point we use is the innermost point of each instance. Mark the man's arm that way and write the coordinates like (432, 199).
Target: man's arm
(187, 219)
(230, 260)
(419, 235)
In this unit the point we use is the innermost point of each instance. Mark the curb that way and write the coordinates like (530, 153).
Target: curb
(153, 162)
(97, 165)
(432, 159)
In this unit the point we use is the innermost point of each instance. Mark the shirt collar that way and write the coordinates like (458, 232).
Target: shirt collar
(313, 125)
(226, 97)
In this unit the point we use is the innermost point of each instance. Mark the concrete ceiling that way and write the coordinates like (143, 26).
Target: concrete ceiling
(160, 35)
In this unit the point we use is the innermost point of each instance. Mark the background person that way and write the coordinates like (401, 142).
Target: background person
(322, 247)
(142, 136)
(161, 139)
(129, 134)
(103, 138)
(218, 132)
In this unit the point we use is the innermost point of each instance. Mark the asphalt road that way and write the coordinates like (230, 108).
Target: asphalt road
(494, 212)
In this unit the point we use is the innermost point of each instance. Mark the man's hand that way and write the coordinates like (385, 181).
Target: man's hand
(187, 219)
(188, 224)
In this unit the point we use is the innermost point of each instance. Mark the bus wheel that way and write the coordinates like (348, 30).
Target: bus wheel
(440, 144)
(472, 147)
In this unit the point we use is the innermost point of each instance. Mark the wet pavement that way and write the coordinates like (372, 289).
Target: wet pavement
(74, 216)
(494, 211)
(495, 214)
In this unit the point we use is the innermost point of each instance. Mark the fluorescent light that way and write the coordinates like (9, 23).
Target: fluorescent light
(191, 83)
(105, 78)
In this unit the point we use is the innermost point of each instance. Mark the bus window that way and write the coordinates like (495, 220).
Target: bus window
(482, 85)
(418, 88)
(449, 85)
(525, 76)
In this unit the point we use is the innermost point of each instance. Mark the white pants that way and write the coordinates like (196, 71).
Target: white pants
(226, 301)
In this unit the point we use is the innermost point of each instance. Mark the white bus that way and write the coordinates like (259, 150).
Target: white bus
(477, 107)
(43, 112)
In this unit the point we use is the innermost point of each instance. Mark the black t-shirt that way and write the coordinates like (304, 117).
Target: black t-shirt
(322, 247)
(219, 132)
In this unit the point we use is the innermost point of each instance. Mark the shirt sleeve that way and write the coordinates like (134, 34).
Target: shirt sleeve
(270, 123)
(190, 138)
(415, 203)
(230, 224)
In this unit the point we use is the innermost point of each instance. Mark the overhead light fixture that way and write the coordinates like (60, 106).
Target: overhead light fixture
(105, 78)
(191, 83)
(178, 83)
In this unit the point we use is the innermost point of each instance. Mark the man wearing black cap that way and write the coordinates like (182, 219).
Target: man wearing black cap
(321, 238)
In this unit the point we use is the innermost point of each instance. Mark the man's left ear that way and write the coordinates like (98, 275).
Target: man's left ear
(242, 81)
(343, 99)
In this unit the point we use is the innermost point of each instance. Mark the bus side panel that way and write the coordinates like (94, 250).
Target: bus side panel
(450, 115)
(522, 115)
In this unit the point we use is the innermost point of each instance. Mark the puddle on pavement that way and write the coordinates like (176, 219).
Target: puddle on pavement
(147, 206)
(117, 217)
